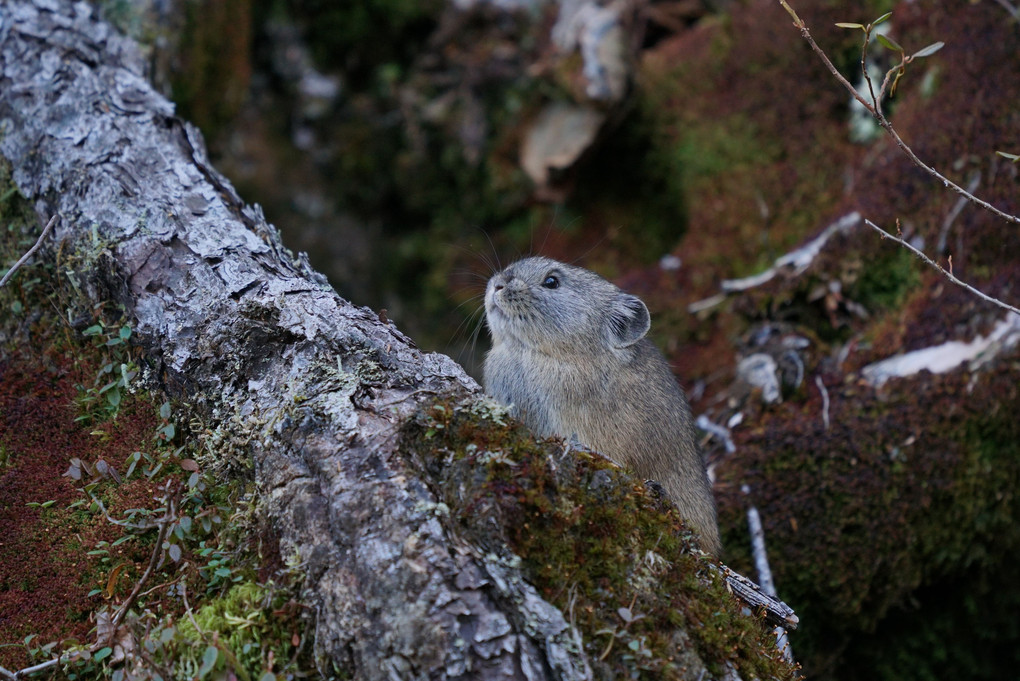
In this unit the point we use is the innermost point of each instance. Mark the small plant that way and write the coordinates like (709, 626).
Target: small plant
(896, 72)
(103, 399)
(197, 535)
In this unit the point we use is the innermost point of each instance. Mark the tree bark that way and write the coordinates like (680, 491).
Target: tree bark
(315, 388)
(238, 324)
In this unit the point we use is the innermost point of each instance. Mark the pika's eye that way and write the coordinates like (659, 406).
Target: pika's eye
(551, 282)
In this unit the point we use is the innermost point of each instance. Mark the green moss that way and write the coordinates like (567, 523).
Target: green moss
(595, 543)
(884, 283)
(245, 623)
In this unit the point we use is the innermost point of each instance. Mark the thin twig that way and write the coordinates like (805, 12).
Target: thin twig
(126, 524)
(156, 588)
(884, 122)
(947, 273)
(157, 553)
(38, 243)
(875, 100)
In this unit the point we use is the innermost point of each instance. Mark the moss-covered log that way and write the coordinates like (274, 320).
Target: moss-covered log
(403, 496)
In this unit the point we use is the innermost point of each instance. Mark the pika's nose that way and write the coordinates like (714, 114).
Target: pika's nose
(501, 282)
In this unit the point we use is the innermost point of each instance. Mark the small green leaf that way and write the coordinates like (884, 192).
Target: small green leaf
(267, 676)
(103, 654)
(209, 658)
(928, 51)
(164, 411)
(125, 333)
(93, 330)
(881, 19)
(113, 398)
(888, 42)
(844, 24)
(185, 524)
(1012, 157)
(47, 504)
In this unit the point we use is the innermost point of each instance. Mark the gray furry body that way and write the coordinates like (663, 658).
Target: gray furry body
(569, 354)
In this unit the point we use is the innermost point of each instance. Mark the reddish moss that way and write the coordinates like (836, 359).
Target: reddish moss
(45, 570)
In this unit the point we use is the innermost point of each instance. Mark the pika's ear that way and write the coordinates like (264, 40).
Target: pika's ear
(628, 321)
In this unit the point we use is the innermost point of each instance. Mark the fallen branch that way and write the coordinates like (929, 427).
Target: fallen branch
(776, 612)
(42, 666)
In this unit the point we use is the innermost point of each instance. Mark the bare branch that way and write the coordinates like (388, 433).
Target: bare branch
(947, 273)
(884, 122)
(38, 243)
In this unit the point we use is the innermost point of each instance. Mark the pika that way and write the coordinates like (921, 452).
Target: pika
(569, 355)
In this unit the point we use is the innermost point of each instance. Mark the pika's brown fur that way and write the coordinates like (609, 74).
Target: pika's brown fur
(569, 354)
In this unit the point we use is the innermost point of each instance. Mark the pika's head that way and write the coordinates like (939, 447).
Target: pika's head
(552, 307)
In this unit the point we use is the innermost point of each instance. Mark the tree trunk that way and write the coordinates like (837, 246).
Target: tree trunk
(316, 389)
